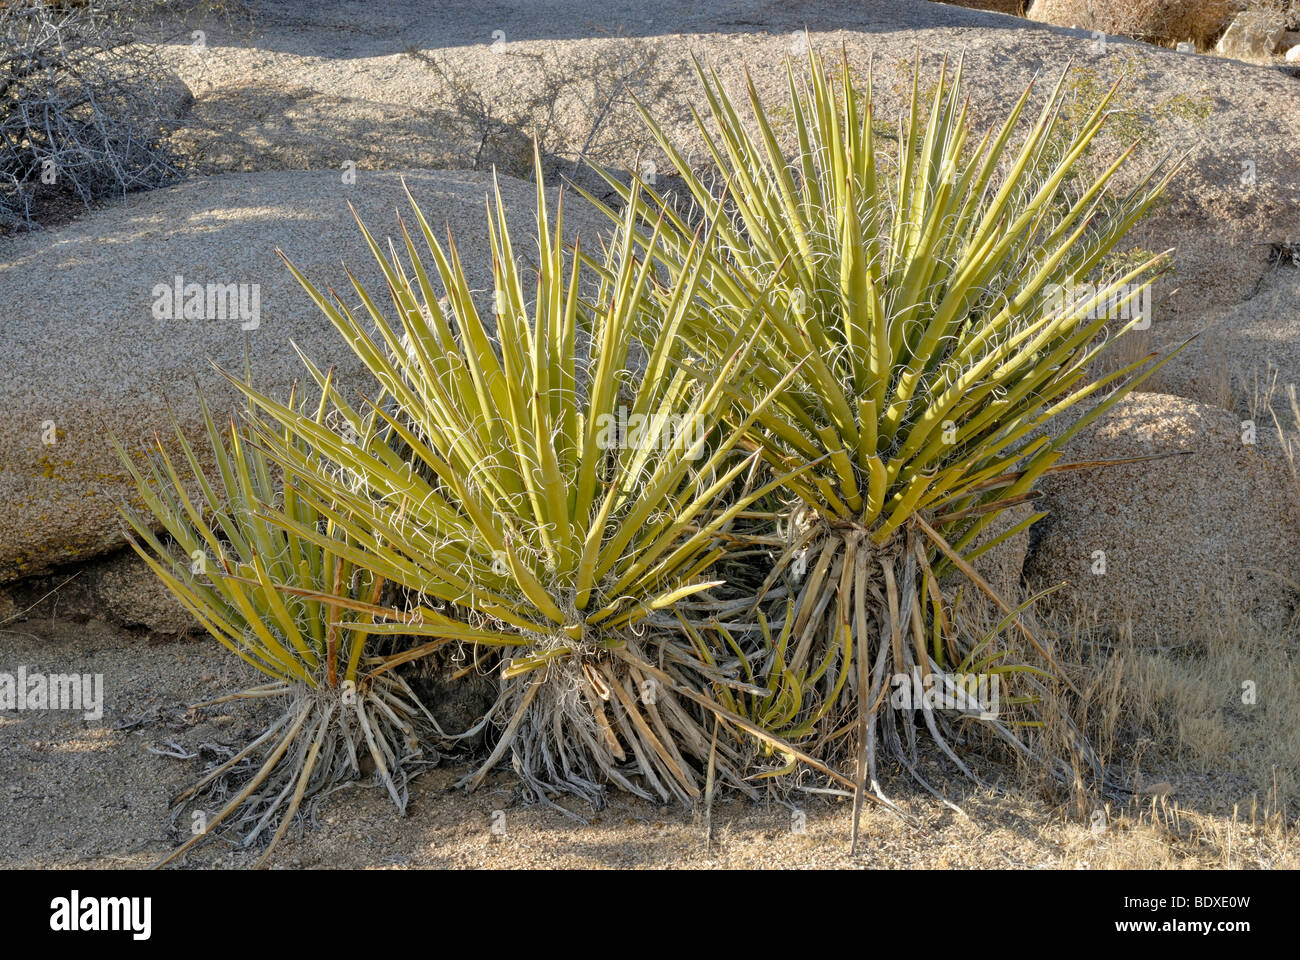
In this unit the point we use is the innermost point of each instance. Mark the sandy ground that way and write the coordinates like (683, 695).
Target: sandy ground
(80, 794)
(311, 86)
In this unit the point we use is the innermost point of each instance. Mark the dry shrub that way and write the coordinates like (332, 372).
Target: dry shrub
(1015, 7)
(1198, 741)
(1213, 710)
(1156, 21)
(85, 106)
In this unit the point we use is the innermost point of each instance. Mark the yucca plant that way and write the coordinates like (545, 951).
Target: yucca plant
(226, 564)
(538, 485)
(923, 300)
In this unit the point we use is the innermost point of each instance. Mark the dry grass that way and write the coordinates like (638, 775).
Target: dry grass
(1202, 734)
(1221, 704)
(1196, 776)
(1156, 834)
(1199, 738)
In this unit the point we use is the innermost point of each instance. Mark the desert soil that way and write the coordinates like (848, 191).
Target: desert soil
(94, 794)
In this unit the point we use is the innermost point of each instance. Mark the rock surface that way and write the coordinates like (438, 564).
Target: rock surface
(84, 354)
(1252, 35)
(422, 84)
(1003, 564)
(118, 589)
(1237, 354)
(1212, 528)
